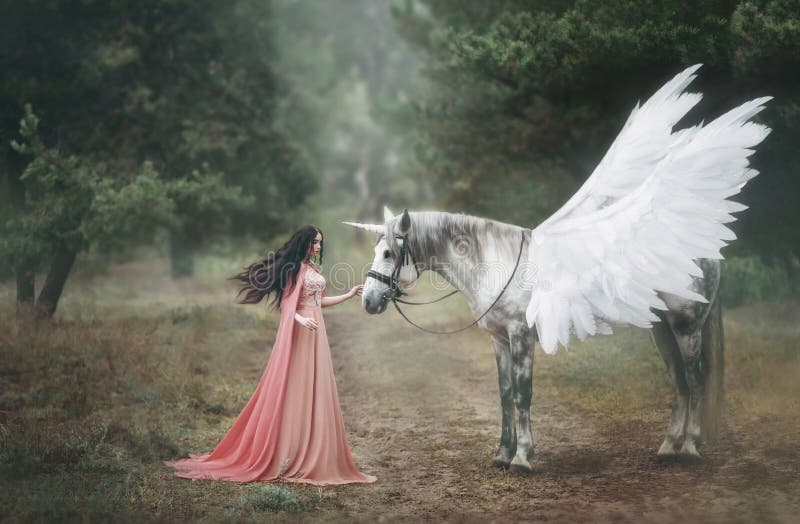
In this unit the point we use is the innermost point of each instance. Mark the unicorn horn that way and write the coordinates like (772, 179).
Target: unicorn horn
(375, 228)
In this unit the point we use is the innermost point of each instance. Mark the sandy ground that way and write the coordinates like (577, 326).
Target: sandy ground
(422, 415)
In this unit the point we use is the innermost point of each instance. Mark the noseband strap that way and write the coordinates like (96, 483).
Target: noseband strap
(386, 279)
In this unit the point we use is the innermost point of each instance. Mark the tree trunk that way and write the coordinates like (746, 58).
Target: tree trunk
(24, 269)
(63, 261)
(26, 280)
(181, 254)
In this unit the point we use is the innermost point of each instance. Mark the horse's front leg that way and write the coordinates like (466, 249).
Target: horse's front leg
(522, 345)
(508, 433)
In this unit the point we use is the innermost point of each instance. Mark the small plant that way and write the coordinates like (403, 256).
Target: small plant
(275, 498)
(215, 409)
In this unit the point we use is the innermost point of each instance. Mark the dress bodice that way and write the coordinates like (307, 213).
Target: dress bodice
(313, 287)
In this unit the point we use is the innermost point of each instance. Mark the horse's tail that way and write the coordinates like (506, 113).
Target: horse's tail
(713, 355)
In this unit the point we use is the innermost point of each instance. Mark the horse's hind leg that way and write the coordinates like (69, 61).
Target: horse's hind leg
(668, 348)
(522, 345)
(698, 331)
(508, 434)
(689, 338)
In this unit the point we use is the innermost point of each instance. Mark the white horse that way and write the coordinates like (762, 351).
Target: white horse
(638, 243)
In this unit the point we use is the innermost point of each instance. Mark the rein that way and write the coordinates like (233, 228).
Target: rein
(394, 291)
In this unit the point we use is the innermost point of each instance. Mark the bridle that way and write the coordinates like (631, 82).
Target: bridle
(394, 292)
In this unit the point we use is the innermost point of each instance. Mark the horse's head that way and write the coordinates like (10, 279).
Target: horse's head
(393, 267)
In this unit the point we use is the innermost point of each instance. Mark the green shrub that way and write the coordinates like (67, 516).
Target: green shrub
(750, 279)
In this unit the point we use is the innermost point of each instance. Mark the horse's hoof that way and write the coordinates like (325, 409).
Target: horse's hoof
(690, 458)
(689, 453)
(502, 458)
(501, 463)
(667, 451)
(520, 466)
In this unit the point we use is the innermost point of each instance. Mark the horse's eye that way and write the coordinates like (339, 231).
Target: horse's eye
(387, 254)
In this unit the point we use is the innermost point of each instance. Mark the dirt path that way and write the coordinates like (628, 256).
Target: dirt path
(426, 420)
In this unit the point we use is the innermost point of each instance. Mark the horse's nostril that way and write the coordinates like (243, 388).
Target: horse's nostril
(372, 305)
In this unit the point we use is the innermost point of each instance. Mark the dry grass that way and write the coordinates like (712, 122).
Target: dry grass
(763, 366)
(623, 379)
(89, 409)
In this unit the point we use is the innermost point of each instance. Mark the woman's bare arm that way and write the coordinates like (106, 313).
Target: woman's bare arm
(332, 301)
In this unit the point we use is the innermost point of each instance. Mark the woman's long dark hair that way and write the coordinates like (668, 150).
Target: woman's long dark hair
(272, 274)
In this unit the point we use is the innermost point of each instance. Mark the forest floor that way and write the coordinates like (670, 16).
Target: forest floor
(88, 411)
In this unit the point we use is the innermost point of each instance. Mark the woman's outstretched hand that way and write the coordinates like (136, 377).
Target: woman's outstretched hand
(307, 322)
(338, 299)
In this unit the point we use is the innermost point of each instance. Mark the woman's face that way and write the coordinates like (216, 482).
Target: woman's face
(315, 245)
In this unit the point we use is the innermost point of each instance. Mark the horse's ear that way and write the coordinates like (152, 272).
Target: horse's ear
(405, 223)
(387, 214)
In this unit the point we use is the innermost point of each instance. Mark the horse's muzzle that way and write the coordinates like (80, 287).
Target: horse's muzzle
(374, 305)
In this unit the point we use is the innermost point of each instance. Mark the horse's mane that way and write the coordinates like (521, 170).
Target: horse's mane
(438, 231)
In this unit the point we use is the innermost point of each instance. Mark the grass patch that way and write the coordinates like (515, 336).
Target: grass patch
(29, 446)
(618, 378)
(273, 498)
(54, 500)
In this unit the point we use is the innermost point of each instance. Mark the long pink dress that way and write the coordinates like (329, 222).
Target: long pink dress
(291, 429)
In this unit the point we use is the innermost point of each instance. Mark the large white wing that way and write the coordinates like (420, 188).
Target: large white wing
(602, 257)
(644, 141)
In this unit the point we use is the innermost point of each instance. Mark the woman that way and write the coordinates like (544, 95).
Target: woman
(291, 428)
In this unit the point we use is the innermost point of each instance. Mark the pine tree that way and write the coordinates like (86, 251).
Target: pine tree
(158, 113)
(528, 94)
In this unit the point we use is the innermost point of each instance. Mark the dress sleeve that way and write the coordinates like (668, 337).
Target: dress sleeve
(291, 293)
